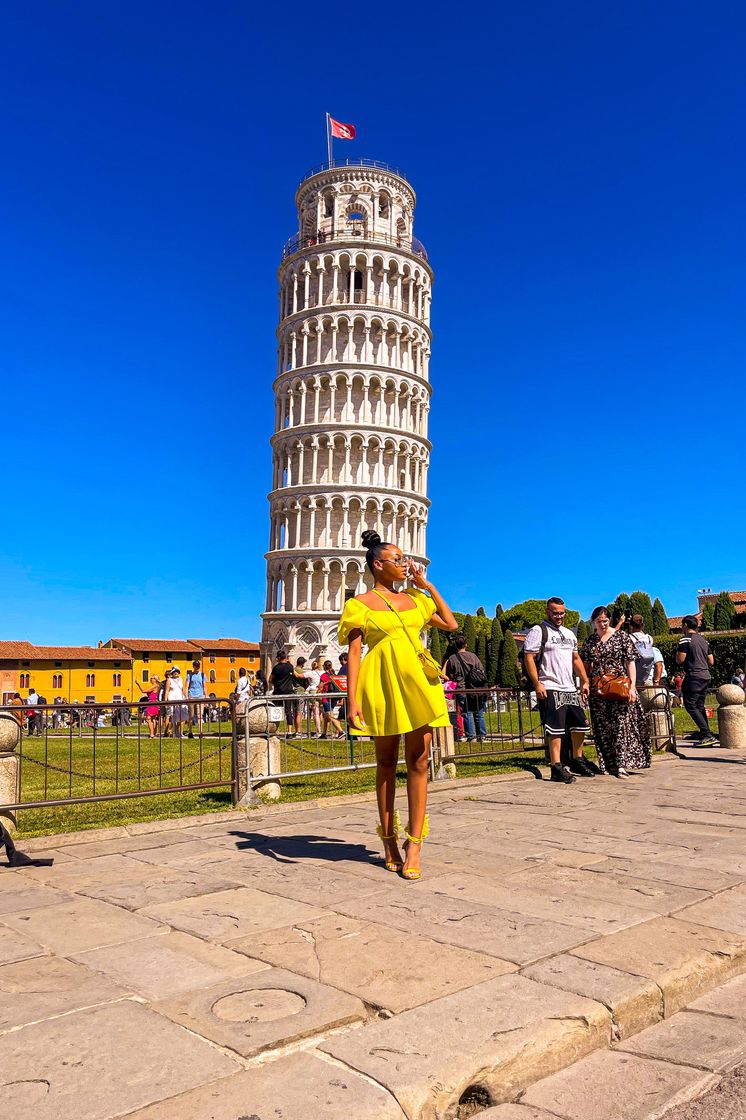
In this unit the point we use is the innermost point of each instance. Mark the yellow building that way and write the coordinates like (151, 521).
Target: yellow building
(72, 673)
(153, 657)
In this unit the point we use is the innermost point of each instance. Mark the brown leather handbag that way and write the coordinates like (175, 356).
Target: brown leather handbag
(612, 686)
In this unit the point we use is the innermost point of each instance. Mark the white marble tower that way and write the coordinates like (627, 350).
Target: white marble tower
(350, 448)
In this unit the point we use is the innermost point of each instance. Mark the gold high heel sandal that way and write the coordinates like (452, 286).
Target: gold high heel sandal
(394, 865)
(413, 873)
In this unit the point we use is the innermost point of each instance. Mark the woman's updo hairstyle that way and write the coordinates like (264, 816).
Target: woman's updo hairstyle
(599, 610)
(374, 547)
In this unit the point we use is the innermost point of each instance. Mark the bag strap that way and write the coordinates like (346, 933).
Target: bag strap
(417, 647)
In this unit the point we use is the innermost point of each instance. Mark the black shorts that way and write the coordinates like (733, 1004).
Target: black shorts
(562, 711)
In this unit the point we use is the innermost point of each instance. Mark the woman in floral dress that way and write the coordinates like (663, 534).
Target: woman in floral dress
(619, 726)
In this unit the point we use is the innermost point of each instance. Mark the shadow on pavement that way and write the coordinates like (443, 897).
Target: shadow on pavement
(294, 849)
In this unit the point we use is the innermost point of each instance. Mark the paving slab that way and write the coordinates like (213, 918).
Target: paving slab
(684, 959)
(76, 873)
(635, 1002)
(516, 1112)
(296, 1087)
(169, 964)
(84, 923)
(121, 846)
(298, 881)
(102, 1062)
(169, 854)
(729, 1000)
(501, 1036)
(604, 884)
(29, 896)
(371, 961)
(726, 910)
(582, 910)
(613, 1086)
(15, 947)
(682, 875)
(154, 886)
(230, 914)
(693, 1038)
(270, 1009)
(39, 988)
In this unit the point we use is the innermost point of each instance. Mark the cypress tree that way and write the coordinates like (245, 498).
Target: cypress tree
(470, 633)
(660, 618)
(725, 612)
(582, 632)
(639, 603)
(499, 612)
(621, 603)
(708, 617)
(481, 612)
(507, 673)
(481, 650)
(493, 651)
(436, 645)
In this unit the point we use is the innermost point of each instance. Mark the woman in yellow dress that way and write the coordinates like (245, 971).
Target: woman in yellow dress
(389, 694)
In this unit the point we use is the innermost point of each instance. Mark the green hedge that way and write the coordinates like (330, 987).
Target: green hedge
(729, 651)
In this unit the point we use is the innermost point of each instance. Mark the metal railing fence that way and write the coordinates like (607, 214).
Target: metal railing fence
(76, 753)
(408, 243)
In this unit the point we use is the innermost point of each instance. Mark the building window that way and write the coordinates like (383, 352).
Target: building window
(116, 697)
(212, 676)
(90, 664)
(146, 674)
(90, 699)
(24, 680)
(233, 676)
(117, 664)
(117, 680)
(232, 660)
(58, 664)
(146, 657)
(212, 659)
(56, 680)
(90, 680)
(25, 663)
(169, 658)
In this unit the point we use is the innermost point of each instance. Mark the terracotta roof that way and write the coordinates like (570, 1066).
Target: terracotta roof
(80, 653)
(228, 644)
(13, 650)
(26, 651)
(153, 645)
(735, 596)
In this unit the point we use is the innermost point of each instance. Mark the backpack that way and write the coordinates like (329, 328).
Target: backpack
(474, 675)
(538, 658)
(644, 658)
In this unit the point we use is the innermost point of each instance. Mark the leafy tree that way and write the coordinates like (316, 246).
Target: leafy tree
(708, 617)
(507, 673)
(436, 645)
(481, 612)
(481, 650)
(470, 633)
(621, 603)
(582, 632)
(493, 651)
(660, 618)
(639, 603)
(531, 612)
(725, 612)
(499, 612)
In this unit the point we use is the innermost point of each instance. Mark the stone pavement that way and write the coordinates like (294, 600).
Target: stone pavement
(558, 958)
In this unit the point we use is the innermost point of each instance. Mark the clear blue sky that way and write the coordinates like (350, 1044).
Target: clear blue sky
(580, 179)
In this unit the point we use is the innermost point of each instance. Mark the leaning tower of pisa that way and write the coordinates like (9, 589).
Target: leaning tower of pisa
(350, 448)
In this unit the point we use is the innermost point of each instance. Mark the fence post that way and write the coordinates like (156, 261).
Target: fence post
(731, 716)
(10, 734)
(257, 753)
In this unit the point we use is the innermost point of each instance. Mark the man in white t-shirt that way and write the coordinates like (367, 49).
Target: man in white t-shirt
(552, 664)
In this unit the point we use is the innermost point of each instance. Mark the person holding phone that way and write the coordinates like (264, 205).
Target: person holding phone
(389, 693)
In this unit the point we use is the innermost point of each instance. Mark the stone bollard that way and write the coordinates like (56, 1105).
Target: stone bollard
(258, 752)
(443, 747)
(655, 700)
(731, 716)
(10, 734)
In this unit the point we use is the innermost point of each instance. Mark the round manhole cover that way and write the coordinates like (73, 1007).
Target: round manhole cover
(260, 1005)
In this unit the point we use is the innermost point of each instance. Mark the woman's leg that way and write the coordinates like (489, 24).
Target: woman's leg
(416, 752)
(387, 754)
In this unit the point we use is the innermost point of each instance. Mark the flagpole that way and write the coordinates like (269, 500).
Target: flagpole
(329, 139)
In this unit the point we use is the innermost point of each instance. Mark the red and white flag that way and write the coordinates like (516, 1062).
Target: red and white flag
(342, 131)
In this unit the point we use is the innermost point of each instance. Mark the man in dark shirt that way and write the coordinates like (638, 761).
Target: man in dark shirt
(472, 704)
(694, 654)
(281, 683)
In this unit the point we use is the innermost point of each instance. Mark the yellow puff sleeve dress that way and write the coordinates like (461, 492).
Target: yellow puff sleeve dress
(392, 690)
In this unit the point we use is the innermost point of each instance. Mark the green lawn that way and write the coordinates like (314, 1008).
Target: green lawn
(117, 769)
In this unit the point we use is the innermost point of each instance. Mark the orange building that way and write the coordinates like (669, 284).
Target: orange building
(153, 657)
(222, 658)
(65, 672)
